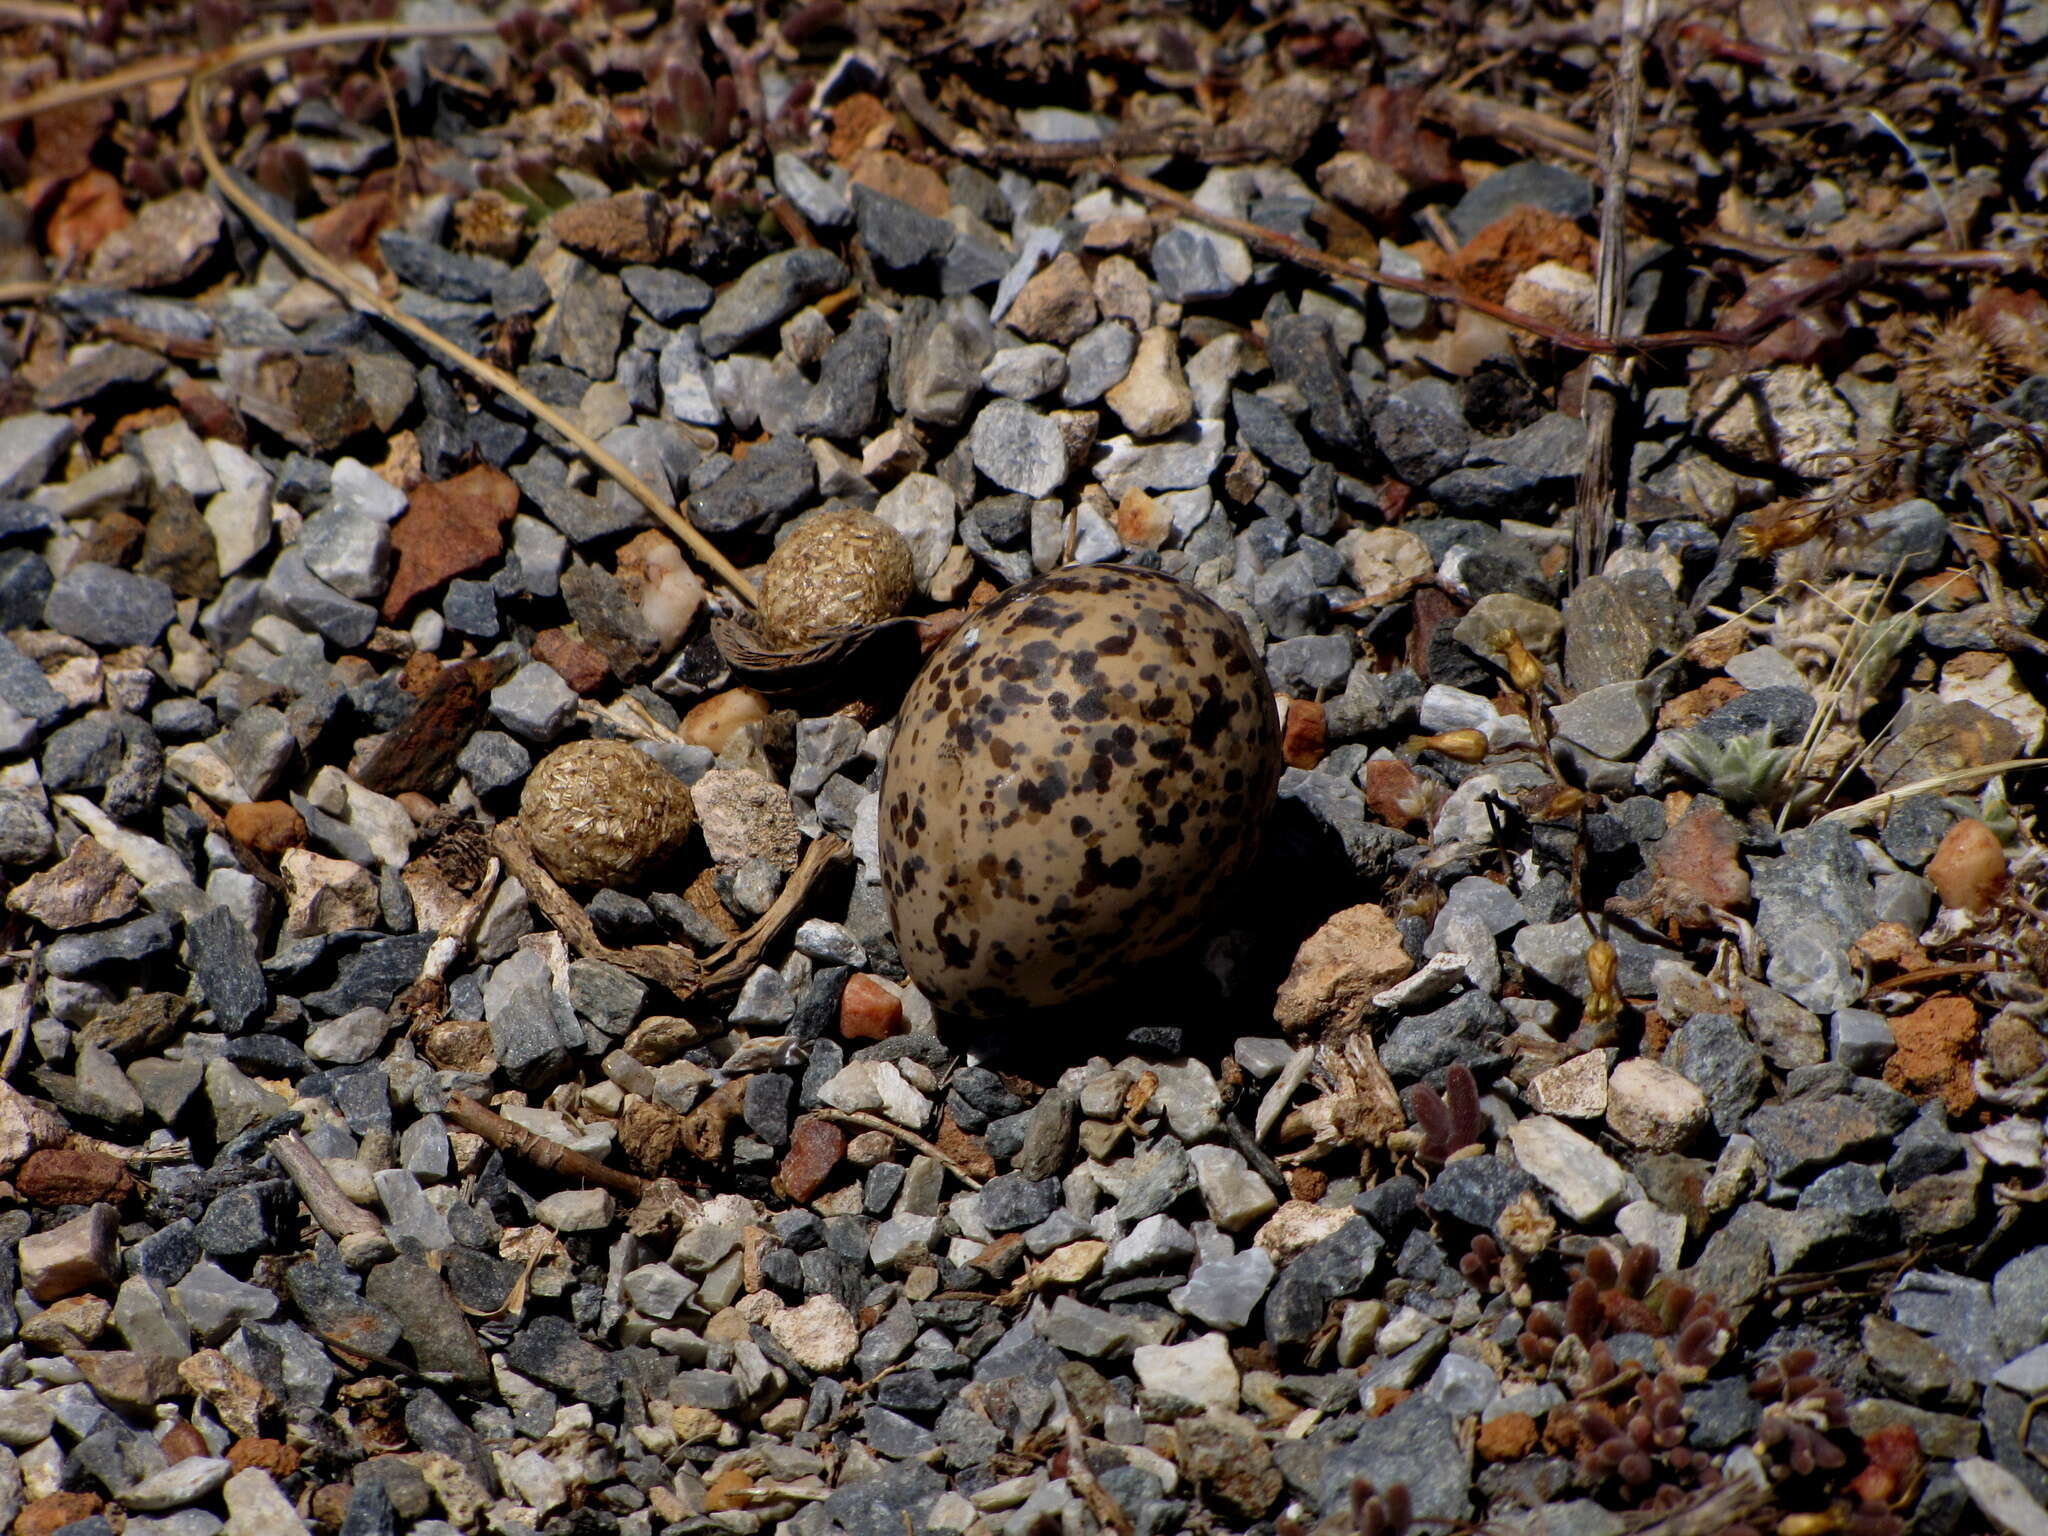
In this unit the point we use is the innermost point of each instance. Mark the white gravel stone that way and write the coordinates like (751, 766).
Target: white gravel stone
(1573, 1090)
(29, 445)
(1652, 1107)
(577, 1210)
(181, 1483)
(1019, 449)
(1584, 1181)
(176, 456)
(820, 1334)
(258, 1507)
(925, 511)
(1235, 1195)
(360, 489)
(1199, 1371)
(1645, 1221)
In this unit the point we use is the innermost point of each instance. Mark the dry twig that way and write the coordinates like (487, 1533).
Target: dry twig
(541, 1151)
(359, 1235)
(1593, 523)
(308, 256)
(867, 1122)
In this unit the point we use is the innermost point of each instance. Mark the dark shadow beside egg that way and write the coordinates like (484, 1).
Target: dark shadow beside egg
(1185, 1005)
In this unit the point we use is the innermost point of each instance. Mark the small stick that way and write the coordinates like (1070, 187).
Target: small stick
(541, 1151)
(732, 965)
(1862, 810)
(659, 963)
(358, 1234)
(17, 1033)
(868, 1122)
(1593, 524)
(426, 999)
(307, 255)
(150, 71)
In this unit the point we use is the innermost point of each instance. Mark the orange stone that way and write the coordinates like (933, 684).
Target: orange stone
(816, 1148)
(1525, 236)
(1935, 1045)
(965, 1148)
(58, 1176)
(731, 1489)
(181, 1442)
(1689, 709)
(858, 121)
(581, 665)
(1393, 793)
(1969, 868)
(905, 180)
(268, 827)
(1302, 738)
(54, 1511)
(1507, 1438)
(272, 1456)
(868, 1010)
(451, 526)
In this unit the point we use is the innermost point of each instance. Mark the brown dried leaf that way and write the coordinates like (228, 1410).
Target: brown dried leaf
(89, 211)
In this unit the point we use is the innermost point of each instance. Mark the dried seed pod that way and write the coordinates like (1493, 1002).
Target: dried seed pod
(1523, 669)
(1467, 746)
(603, 813)
(837, 568)
(1603, 994)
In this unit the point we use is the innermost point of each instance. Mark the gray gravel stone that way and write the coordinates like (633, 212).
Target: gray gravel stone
(1019, 449)
(107, 607)
(766, 294)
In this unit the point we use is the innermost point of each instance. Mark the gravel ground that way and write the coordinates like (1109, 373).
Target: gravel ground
(1615, 1084)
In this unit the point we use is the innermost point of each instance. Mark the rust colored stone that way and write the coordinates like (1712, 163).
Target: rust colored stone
(581, 665)
(1698, 867)
(1523, 237)
(816, 1148)
(324, 397)
(868, 1010)
(421, 671)
(905, 180)
(268, 827)
(1394, 794)
(731, 1489)
(451, 526)
(966, 1149)
(858, 121)
(181, 1442)
(1302, 738)
(1968, 869)
(54, 1511)
(1689, 709)
(1003, 1258)
(627, 227)
(272, 1456)
(1935, 1044)
(1509, 1437)
(420, 754)
(73, 1176)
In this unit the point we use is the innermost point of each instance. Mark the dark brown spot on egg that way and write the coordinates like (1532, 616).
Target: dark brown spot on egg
(1123, 702)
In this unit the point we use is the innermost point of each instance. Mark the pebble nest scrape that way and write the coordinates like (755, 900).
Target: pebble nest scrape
(1074, 775)
(1200, 1273)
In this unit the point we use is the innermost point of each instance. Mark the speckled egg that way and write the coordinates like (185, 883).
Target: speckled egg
(603, 813)
(838, 567)
(1075, 775)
